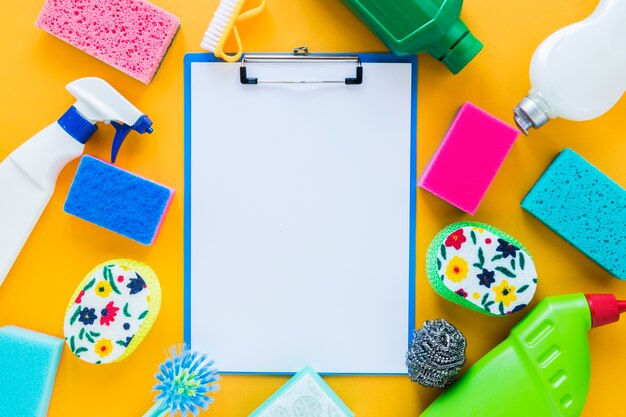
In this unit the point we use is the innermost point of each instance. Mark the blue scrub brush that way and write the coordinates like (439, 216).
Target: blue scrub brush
(185, 380)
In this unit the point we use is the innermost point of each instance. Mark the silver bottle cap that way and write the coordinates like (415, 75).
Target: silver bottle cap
(529, 114)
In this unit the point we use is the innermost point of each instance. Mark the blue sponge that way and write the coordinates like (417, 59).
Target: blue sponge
(118, 200)
(28, 367)
(584, 207)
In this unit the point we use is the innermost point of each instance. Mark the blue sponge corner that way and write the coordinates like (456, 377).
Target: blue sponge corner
(118, 200)
(28, 366)
(584, 207)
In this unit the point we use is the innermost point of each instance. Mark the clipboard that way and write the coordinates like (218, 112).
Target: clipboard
(300, 211)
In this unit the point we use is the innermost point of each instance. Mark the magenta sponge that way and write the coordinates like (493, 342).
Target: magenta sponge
(468, 158)
(130, 35)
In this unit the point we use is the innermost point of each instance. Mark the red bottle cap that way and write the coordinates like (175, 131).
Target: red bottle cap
(605, 308)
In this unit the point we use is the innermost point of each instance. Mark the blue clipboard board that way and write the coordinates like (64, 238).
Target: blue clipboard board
(197, 324)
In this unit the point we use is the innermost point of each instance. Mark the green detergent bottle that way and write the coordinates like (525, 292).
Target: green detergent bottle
(541, 370)
(411, 27)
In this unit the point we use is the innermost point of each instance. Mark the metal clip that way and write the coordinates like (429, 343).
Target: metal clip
(300, 54)
(301, 50)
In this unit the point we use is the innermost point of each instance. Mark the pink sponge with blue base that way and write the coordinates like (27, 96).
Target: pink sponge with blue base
(118, 200)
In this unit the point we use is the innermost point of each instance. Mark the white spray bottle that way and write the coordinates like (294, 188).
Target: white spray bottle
(579, 72)
(28, 175)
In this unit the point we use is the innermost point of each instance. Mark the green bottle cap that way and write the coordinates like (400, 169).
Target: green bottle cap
(457, 47)
(462, 53)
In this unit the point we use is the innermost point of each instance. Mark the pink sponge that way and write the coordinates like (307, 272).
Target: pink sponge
(130, 35)
(468, 158)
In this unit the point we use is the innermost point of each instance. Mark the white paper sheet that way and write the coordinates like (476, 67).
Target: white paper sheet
(300, 226)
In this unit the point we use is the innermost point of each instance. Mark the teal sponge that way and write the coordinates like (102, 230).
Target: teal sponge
(28, 367)
(584, 207)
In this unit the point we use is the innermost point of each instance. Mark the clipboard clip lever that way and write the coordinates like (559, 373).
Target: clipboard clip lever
(300, 54)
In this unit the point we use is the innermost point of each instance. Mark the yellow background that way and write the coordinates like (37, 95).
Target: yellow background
(35, 67)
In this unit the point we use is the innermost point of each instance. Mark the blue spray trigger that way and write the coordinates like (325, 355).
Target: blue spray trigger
(142, 125)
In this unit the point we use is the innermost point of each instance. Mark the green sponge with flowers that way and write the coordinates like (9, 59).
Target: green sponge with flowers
(482, 268)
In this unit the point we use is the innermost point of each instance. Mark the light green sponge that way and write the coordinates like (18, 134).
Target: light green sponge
(304, 395)
(112, 310)
(482, 268)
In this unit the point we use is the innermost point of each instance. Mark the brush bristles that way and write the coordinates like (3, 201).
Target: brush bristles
(219, 24)
(186, 379)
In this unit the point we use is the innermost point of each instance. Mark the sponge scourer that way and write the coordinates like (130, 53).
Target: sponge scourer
(584, 207)
(130, 35)
(112, 311)
(118, 200)
(468, 158)
(482, 268)
(28, 368)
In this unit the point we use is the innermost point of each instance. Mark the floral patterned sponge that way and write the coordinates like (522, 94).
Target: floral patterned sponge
(112, 311)
(481, 268)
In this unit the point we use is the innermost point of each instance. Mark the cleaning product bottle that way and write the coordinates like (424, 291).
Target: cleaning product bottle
(541, 370)
(28, 175)
(411, 27)
(579, 72)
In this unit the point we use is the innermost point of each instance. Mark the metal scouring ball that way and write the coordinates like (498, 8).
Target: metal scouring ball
(436, 354)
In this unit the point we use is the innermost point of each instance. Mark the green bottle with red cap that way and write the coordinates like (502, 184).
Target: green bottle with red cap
(541, 370)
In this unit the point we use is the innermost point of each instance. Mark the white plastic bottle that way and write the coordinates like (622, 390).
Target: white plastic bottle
(28, 175)
(578, 72)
